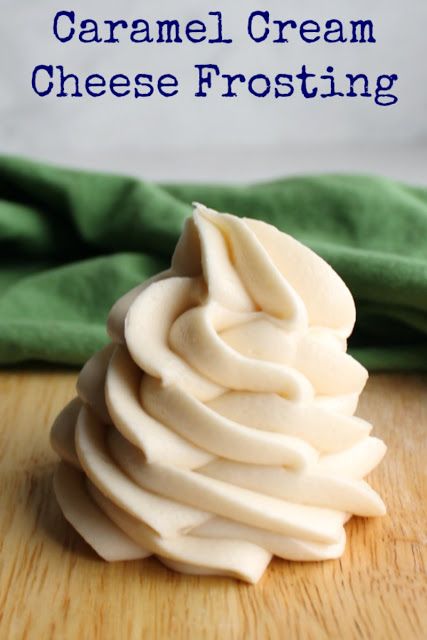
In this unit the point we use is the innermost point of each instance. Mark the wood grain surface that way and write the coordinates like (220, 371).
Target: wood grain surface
(54, 586)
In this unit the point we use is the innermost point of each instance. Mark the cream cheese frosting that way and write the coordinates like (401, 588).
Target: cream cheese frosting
(217, 429)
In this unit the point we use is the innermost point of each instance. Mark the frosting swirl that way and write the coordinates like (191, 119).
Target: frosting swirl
(217, 428)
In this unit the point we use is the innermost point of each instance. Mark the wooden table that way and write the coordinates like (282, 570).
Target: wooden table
(54, 586)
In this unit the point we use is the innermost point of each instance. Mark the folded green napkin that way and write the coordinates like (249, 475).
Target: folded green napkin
(72, 242)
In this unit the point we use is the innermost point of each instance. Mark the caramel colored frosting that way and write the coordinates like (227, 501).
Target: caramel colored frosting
(217, 428)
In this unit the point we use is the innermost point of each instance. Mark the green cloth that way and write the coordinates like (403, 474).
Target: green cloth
(72, 242)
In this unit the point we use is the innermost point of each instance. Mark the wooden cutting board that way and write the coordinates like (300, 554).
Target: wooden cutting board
(54, 586)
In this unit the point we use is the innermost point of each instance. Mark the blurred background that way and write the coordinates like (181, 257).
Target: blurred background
(217, 139)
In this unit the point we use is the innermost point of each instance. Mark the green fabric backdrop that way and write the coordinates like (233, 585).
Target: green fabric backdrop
(72, 242)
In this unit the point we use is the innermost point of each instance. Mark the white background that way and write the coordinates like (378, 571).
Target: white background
(185, 138)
